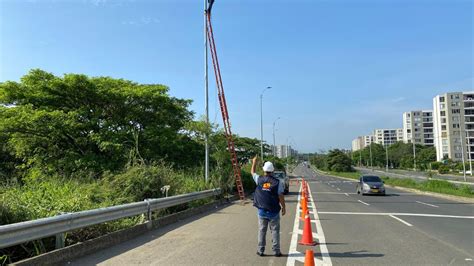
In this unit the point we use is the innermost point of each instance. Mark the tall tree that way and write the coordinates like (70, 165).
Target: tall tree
(76, 123)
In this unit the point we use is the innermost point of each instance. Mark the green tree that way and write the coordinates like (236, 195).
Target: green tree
(75, 123)
(338, 161)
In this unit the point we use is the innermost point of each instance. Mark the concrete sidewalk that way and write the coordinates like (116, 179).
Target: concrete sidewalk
(226, 236)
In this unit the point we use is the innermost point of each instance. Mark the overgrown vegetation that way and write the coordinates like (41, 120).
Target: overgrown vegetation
(75, 142)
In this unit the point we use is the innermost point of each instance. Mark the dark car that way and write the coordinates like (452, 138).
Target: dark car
(283, 178)
(370, 184)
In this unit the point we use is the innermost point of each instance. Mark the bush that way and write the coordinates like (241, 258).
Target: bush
(436, 165)
(443, 169)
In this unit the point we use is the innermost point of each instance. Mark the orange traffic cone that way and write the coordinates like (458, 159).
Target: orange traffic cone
(307, 239)
(309, 258)
(304, 210)
(303, 202)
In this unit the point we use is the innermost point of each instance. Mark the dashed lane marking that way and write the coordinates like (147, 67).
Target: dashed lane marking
(396, 218)
(428, 204)
(347, 194)
(400, 214)
(363, 202)
(333, 192)
(319, 229)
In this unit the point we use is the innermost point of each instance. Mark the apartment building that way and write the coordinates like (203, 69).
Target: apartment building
(357, 143)
(387, 137)
(453, 124)
(418, 127)
(368, 139)
(361, 142)
(283, 151)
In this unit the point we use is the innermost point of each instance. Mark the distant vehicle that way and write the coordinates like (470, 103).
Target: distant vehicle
(467, 172)
(369, 184)
(283, 178)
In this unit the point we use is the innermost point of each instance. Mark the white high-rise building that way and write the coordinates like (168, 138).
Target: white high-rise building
(387, 137)
(368, 139)
(418, 127)
(453, 124)
(361, 142)
(283, 151)
(357, 143)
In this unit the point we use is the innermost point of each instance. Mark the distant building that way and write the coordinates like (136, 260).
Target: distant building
(358, 144)
(361, 142)
(418, 127)
(283, 151)
(387, 137)
(453, 124)
(368, 139)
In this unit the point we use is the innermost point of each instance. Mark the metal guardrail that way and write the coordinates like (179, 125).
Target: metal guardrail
(17, 233)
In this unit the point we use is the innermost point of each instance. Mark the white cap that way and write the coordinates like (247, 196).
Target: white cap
(268, 167)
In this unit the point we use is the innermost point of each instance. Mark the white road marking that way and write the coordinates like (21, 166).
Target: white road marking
(292, 252)
(333, 192)
(363, 202)
(468, 259)
(396, 218)
(339, 189)
(401, 214)
(348, 194)
(320, 232)
(427, 204)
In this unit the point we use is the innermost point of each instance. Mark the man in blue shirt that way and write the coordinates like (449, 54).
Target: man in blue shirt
(269, 200)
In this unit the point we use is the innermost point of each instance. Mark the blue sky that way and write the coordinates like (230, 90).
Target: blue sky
(338, 68)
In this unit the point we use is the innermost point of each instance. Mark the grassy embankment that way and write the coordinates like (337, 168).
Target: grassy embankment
(49, 196)
(438, 186)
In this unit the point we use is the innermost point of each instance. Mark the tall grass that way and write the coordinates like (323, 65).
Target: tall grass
(45, 196)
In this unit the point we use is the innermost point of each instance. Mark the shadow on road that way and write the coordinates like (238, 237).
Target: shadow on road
(352, 254)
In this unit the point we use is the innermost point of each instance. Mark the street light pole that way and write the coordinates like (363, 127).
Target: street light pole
(386, 158)
(468, 147)
(206, 97)
(261, 120)
(370, 151)
(274, 145)
(462, 149)
(414, 154)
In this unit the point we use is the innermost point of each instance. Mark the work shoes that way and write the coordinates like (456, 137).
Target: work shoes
(260, 253)
(278, 254)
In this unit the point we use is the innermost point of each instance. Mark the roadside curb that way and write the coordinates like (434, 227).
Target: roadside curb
(433, 194)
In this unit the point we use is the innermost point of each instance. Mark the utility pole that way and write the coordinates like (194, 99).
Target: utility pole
(261, 120)
(360, 157)
(370, 151)
(386, 158)
(461, 141)
(414, 154)
(468, 147)
(274, 145)
(206, 97)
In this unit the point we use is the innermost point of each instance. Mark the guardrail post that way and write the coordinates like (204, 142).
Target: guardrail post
(149, 223)
(60, 240)
(61, 237)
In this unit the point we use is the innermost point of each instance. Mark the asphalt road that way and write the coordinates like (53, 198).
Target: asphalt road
(398, 229)
(421, 176)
